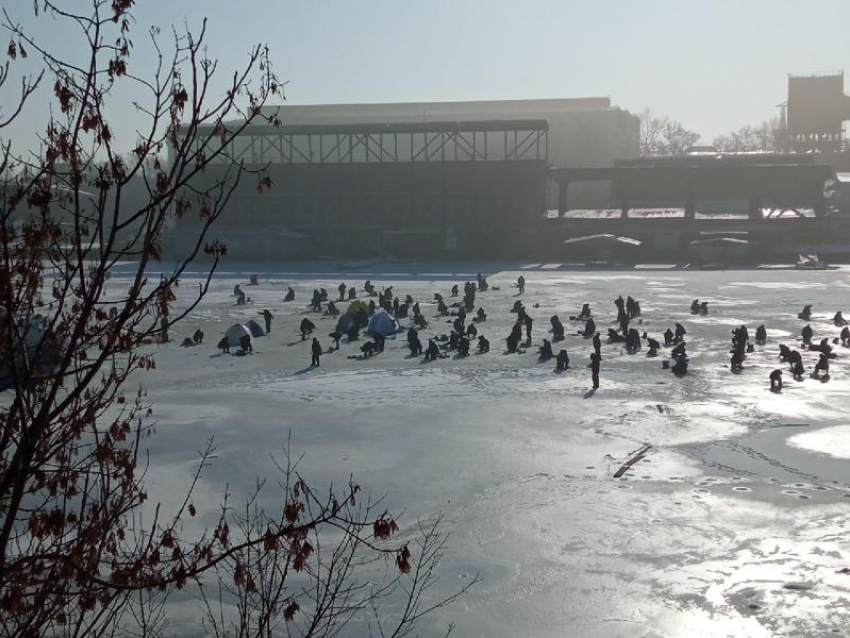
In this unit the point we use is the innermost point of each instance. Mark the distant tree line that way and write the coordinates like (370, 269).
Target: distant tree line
(662, 136)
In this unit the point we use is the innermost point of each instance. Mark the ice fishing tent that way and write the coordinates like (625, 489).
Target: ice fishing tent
(382, 324)
(255, 329)
(235, 333)
(357, 306)
(344, 324)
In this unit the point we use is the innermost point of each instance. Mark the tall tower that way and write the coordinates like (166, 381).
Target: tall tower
(816, 111)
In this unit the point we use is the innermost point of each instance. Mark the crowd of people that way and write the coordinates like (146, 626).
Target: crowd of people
(465, 319)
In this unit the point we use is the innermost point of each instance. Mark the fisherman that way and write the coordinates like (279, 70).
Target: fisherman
(822, 366)
(545, 353)
(585, 313)
(806, 313)
(695, 307)
(776, 381)
(240, 295)
(290, 294)
(369, 288)
(454, 340)
(198, 337)
(845, 336)
(414, 344)
(761, 335)
(461, 314)
(353, 332)
(416, 309)
(557, 328)
(332, 310)
(483, 345)
(268, 318)
(471, 331)
(380, 342)
(668, 337)
(323, 294)
(316, 348)
(595, 361)
(703, 308)
(367, 349)
(794, 357)
(562, 361)
(597, 345)
(679, 352)
(633, 341)
(680, 368)
(372, 307)
(680, 332)
(432, 352)
(455, 290)
(463, 346)
(245, 344)
(480, 315)
(419, 321)
(352, 293)
(797, 370)
(342, 288)
(402, 311)
(632, 308)
(316, 301)
(306, 328)
(113, 313)
(442, 309)
(589, 329)
(807, 333)
(520, 283)
(653, 347)
(336, 335)
(839, 319)
(529, 322)
(737, 362)
(784, 352)
(437, 297)
(517, 306)
(513, 342)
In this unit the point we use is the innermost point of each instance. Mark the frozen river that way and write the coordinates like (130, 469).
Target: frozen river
(734, 524)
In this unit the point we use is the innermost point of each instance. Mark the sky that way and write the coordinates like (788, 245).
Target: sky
(714, 65)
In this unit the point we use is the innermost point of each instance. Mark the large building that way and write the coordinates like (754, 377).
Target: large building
(413, 179)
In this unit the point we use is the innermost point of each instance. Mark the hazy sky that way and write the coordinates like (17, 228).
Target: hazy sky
(715, 65)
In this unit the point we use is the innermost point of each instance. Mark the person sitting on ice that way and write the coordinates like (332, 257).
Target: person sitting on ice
(545, 353)
(703, 308)
(369, 287)
(419, 321)
(680, 368)
(442, 309)
(455, 290)
(198, 337)
(784, 352)
(585, 313)
(823, 347)
(437, 297)
(512, 342)
(240, 295)
(483, 345)
(776, 381)
(761, 335)
(331, 310)
(323, 294)
(845, 336)
(224, 345)
(668, 337)
(463, 346)
(306, 327)
(557, 328)
(454, 339)
(589, 329)
(432, 352)
(290, 294)
(695, 307)
(805, 314)
(615, 337)
(680, 332)
(471, 331)
(352, 293)
(414, 344)
(797, 370)
(562, 361)
(679, 352)
(633, 341)
(188, 343)
(807, 333)
(839, 319)
(822, 366)
(653, 347)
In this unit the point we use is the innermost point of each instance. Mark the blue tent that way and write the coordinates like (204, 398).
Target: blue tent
(381, 323)
(255, 328)
(344, 324)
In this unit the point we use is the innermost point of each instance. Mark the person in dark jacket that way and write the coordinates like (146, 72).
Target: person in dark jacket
(316, 349)
(595, 361)
(306, 328)
(268, 318)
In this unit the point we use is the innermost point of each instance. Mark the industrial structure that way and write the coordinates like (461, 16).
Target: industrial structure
(412, 179)
(816, 111)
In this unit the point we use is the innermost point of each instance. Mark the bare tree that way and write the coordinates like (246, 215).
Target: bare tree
(769, 136)
(76, 555)
(661, 136)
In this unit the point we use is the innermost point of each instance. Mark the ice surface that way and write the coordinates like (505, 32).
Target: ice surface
(734, 524)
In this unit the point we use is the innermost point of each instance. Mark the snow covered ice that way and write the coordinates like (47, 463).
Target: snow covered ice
(734, 524)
